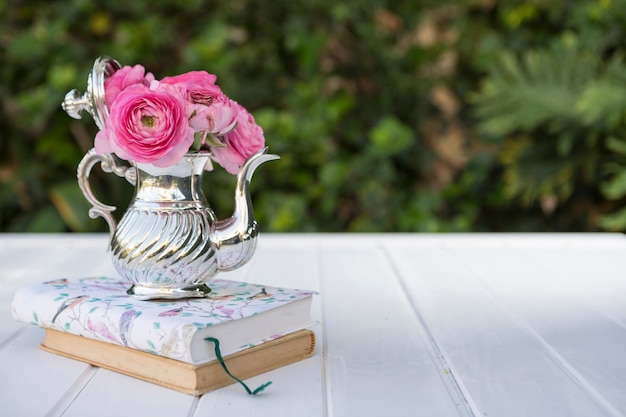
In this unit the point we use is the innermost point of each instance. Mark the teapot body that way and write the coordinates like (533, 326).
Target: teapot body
(168, 243)
(164, 243)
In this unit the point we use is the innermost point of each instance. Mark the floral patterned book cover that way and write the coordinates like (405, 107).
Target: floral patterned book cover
(238, 314)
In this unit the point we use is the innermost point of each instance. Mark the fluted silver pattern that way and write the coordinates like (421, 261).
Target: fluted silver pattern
(165, 248)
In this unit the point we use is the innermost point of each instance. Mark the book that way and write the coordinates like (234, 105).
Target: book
(240, 315)
(182, 376)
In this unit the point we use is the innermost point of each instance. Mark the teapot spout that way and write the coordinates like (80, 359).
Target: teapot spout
(235, 237)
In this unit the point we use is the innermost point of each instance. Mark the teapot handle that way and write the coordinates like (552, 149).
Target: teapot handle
(108, 164)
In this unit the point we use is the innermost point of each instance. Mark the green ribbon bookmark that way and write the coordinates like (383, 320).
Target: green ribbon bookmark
(218, 353)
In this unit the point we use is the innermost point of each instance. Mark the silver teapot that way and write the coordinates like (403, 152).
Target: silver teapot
(168, 244)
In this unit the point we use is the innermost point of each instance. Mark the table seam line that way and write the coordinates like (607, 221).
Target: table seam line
(72, 393)
(447, 373)
(553, 354)
(13, 336)
(324, 345)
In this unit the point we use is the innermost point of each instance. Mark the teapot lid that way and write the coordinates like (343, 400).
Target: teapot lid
(93, 101)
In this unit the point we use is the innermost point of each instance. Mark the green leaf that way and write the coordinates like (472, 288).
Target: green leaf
(197, 141)
(616, 186)
(390, 136)
(603, 102)
(617, 145)
(45, 220)
(62, 76)
(535, 89)
(565, 144)
(71, 205)
(213, 141)
(614, 222)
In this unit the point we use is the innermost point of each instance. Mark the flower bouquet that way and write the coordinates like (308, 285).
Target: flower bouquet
(158, 121)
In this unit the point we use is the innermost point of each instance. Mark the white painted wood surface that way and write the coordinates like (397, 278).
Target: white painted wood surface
(410, 325)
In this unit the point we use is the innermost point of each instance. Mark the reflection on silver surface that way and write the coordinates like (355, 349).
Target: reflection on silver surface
(93, 100)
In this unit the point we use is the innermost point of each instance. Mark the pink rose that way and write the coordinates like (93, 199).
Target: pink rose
(123, 78)
(200, 86)
(148, 125)
(244, 140)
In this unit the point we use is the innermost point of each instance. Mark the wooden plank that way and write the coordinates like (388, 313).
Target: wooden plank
(594, 275)
(499, 365)
(33, 381)
(573, 305)
(112, 394)
(501, 240)
(377, 362)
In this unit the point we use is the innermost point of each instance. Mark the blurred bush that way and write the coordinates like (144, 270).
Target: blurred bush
(389, 115)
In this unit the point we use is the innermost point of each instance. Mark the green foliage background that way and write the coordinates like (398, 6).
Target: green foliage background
(398, 115)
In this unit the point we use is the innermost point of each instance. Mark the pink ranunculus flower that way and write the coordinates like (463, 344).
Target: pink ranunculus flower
(218, 119)
(244, 140)
(123, 78)
(199, 85)
(147, 125)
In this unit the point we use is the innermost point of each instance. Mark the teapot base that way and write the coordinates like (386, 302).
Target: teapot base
(152, 293)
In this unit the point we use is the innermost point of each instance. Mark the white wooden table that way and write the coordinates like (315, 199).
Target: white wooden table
(411, 325)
